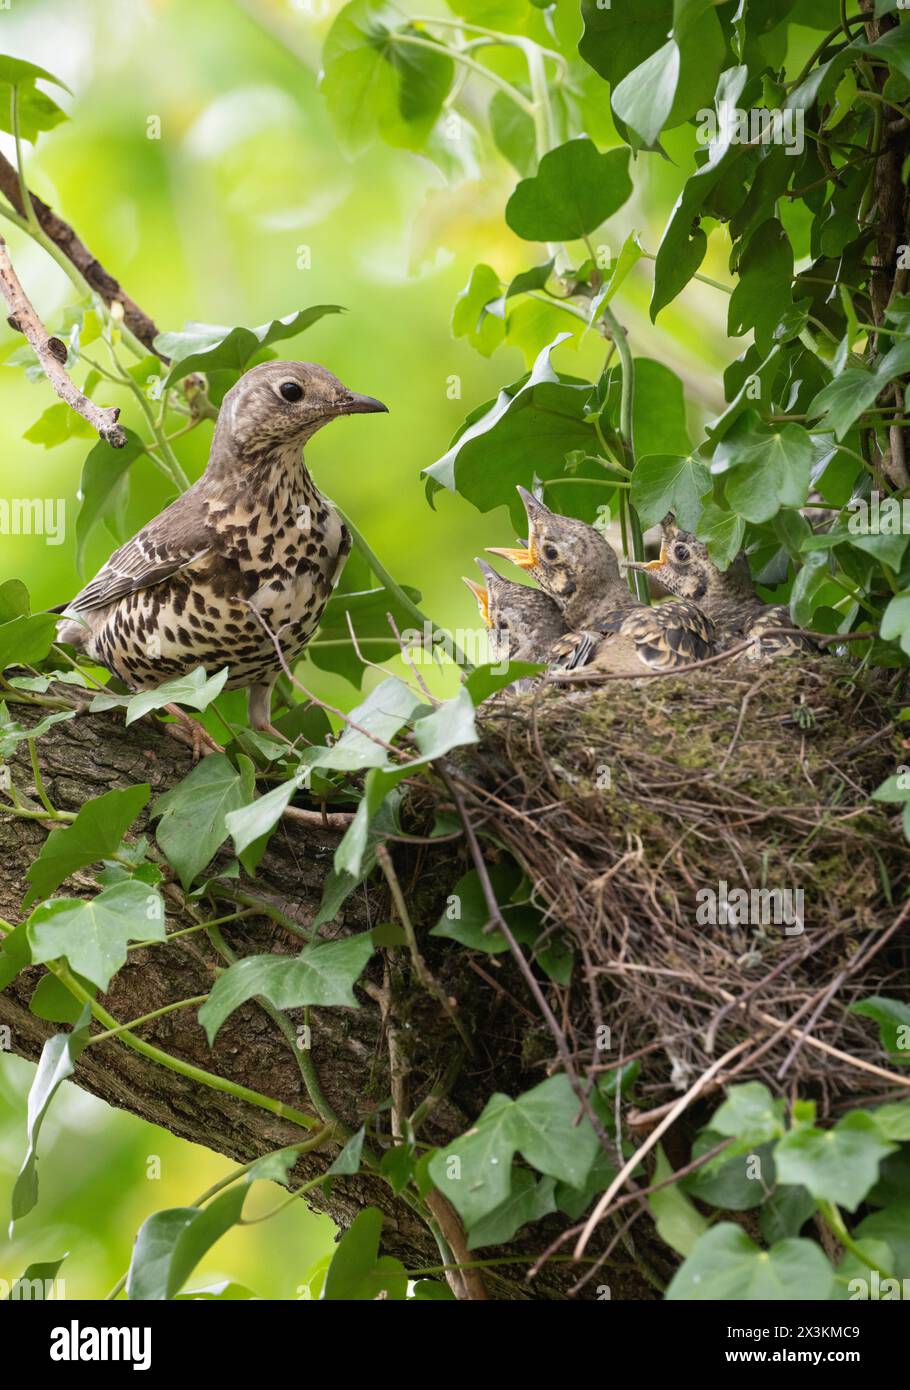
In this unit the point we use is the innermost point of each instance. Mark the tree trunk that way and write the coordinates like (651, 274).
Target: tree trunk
(84, 757)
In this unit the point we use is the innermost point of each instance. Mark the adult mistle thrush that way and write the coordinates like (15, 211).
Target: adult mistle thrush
(252, 534)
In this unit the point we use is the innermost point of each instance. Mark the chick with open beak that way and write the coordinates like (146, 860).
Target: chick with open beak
(727, 597)
(522, 623)
(608, 628)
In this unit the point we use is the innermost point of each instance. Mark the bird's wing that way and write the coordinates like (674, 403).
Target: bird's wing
(774, 616)
(576, 649)
(670, 635)
(173, 541)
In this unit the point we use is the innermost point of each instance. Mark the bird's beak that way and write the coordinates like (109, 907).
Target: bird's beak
(648, 564)
(353, 404)
(483, 599)
(524, 558)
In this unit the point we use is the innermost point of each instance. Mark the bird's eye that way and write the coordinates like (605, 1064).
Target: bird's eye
(550, 552)
(681, 553)
(291, 390)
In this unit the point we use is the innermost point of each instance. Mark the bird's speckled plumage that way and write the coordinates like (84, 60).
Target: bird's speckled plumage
(523, 623)
(607, 627)
(252, 533)
(726, 596)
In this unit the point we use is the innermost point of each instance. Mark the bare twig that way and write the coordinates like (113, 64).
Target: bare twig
(89, 267)
(51, 353)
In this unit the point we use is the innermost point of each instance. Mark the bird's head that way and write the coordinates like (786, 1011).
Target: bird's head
(521, 621)
(280, 405)
(567, 557)
(685, 567)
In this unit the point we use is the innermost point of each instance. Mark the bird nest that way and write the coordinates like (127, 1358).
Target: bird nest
(638, 808)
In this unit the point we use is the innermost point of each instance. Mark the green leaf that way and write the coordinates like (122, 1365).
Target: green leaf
(891, 1015)
(529, 1199)
(843, 400)
(36, 1284)
(644, 98)
(37, 111)
(678, 1220)
(762, 295)
(208, 347)
(52, 1001)
(95, 834)
(58, 425)
(470, 317)
(575, 189)
(102, 489)
(785, 1213)
(196, 689)
(726, 1265)
(15, 954)
(194, 814)
(894, 48)
(474, 1172)
(377, 83)
(91, 934)
(58, 1061)
(358, 1273)
(528, 430)
(513, 133)
(723, 533)
(367, 609)
(484, 681)
(891, 1225)
(764, 469)
(668, 483)
(14, 601)
(467, 914)
(348, 1161)
(658, 411)
(12, 734)
(893, 1120)
(321, 974)
(750, 1114)
(26, 641)
(171, 1243)
(836, 1165)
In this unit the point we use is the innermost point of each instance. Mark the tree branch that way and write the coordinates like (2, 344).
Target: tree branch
(51, 353)
(90, 268)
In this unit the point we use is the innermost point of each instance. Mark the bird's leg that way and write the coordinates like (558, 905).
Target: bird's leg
(259, 707)
(189, 730)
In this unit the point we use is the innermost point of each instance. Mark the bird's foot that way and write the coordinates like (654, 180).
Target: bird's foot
(189, 731)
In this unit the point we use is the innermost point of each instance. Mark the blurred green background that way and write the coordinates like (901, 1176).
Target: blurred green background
(207, 223)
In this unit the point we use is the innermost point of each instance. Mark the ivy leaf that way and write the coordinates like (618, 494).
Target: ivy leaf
(763, 469)
(894, 47)
(348, 1161)
(471, 319)
(358, 1273)
(57, 425)
(658, 410)
(762, 294)
(171, 1243)
(15, 954)
(26, 641)
(893, 1119)
(513, 133)
(836, 1165)
(725, 1264)
(58, 1061)
(209, 347)
(95, 834)
(785, 1213)
(644, 98)
(684, 243)
(484, 681)
(749, 1114)
(37, 111)
(193, 814)
(321, 974)
(575, 189)
(723, 532)
(668, 483)
(52, 1001)
(368, 610)
(376, 82)
(843, 400)
(38, 1280)
(14, 600)
(471, 914)
(91, 934)
(678, 1220)
(474, 1172)
(891, 1015)
(528, 430)
(529, 1199)
(12, 734)
(197, 689)
(104, 480)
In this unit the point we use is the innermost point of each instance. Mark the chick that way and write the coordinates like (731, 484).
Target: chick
(523, 623)
(609, 629)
